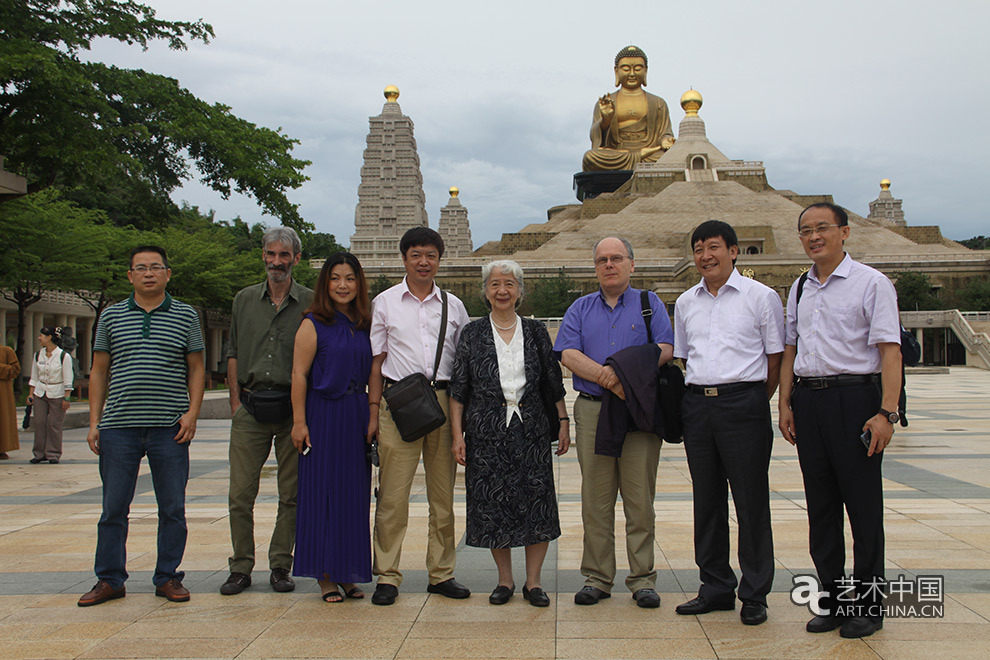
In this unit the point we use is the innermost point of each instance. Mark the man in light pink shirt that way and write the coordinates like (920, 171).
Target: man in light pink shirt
(839, 384)
(405, 329)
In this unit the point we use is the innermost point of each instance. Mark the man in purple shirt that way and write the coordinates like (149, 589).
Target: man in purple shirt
(839, 383)
(595, 327)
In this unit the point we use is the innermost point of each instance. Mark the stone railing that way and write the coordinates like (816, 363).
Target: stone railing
(975, 343)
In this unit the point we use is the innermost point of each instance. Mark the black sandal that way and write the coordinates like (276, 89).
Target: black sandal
(330, 594)
(354, 592)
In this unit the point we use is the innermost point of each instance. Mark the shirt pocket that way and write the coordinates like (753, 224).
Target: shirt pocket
(743, 330)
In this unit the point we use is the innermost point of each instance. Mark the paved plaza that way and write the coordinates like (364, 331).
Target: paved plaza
(937, 497)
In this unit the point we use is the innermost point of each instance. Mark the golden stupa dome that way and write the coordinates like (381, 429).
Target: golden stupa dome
(691, 102)
(885, 184)
(392, 94)
(454, 191)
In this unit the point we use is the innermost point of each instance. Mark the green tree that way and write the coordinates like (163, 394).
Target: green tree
(54, 247)
(319, 245)
(206, 269)
(305, 274)
(378, 285)
(107, 282)
(552, 296)
(125, 133)
(975, 296)
(914, 292)
(977, 243)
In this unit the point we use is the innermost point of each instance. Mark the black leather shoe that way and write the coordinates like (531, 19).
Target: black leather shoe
(646, 598)
(536, 597)
(281, 580)
(753, 613)
(450, 588)
(702, 605)
(35, 461)
(53, 461)
(859, 626)
(385, 594)
(502, 594)
(822, 624)
(590, 595)
(235, 584)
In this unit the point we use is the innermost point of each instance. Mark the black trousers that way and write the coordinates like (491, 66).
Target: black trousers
(838, 474)
(728, 441)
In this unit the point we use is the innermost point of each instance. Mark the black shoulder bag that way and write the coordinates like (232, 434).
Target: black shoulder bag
(670, 385)
(412, 401)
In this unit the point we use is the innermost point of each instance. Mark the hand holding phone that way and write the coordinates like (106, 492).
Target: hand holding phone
(866, 439)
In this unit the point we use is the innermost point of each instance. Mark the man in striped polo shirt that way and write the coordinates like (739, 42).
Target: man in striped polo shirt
(150, 350)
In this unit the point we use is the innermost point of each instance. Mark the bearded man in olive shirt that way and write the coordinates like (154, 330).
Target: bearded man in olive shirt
(263, 325)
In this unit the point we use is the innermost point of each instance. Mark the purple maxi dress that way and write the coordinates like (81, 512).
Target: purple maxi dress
(332, 519)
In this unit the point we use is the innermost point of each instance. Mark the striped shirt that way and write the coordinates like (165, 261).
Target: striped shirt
(147, 361)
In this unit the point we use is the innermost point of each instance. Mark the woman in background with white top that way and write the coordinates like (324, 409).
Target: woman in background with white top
(51, 385)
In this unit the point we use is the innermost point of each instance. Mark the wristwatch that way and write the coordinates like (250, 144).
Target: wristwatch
(892, 417)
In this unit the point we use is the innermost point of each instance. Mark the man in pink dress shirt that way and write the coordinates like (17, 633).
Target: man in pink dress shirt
(839, 384)
(405, 328)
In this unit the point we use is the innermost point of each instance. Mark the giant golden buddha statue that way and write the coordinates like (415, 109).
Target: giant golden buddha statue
(630, 125)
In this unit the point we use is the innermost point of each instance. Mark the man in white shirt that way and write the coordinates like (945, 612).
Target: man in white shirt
(730, 331)
(839, 384)
(405, 329)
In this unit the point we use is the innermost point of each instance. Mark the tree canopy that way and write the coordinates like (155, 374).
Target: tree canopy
(977, 243)
(125, 132)
(914, 292)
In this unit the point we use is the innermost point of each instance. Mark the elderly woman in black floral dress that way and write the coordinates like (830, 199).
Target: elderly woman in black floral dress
(506, 400)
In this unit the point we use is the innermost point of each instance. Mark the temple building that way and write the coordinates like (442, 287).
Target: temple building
(885, 207)
(454, 228)
(657, 205)
(390, 195)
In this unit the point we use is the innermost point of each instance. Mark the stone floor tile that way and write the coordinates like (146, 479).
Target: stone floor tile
(172, 646)
(959, 649)
(633, 649)
(512, 647)
(379, 646)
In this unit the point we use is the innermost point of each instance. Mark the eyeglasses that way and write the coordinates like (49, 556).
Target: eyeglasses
(616, 260)
(819, 229)
(154, 268)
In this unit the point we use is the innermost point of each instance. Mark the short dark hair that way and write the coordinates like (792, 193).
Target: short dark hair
(840, 213)
(149, 248)
(715, 229)
(420, 236)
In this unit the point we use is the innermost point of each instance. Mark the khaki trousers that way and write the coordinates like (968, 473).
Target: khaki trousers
(634, 475)
(398, 463)
(48, 420)
(250, 445)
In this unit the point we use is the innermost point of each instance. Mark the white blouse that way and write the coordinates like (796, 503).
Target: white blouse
(52, 376)
(511, 369)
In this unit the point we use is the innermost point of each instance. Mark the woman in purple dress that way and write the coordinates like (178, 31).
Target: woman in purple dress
(330, 367)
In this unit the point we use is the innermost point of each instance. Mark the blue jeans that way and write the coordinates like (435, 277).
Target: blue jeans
(121, 451)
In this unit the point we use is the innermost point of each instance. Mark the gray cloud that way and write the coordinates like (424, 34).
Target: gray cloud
(831, 97)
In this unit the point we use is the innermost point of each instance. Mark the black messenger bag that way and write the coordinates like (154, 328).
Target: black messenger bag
(412, 401)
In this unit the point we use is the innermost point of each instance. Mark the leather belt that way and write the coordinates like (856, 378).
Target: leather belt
(825, 382)
(590, 397)
(726, 388)
(439, 385)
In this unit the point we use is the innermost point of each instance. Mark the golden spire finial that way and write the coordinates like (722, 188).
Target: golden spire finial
(391, 94)
(454, 191)
(691, 102)
(885, 184)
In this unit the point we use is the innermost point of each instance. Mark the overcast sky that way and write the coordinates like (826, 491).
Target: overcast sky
(832, 97)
